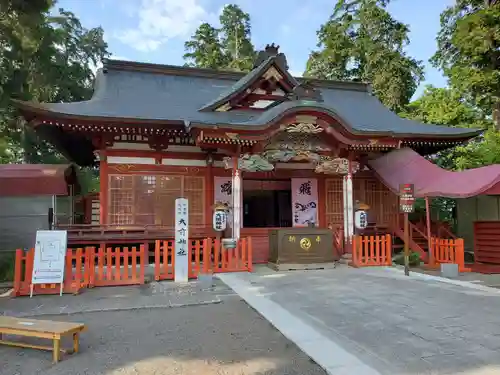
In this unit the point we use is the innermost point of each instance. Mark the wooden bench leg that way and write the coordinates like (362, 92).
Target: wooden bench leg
(76, 342)
(57, 349)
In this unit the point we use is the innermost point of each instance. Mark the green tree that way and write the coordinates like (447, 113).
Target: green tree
(361, 41)
(445, 106)
(204, 49)
(469, 52)
(46, 59)
(226, 48)
(236, 43)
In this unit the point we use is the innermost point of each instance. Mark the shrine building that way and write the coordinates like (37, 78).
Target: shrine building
(280, 151)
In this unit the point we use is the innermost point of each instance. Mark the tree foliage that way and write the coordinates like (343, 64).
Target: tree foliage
(43, 58)
(227, 48)
(361, 41)
(469, 52)
(445, 106)
(204, 49)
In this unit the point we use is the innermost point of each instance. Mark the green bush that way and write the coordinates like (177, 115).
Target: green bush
(7, 261)
(414, 259)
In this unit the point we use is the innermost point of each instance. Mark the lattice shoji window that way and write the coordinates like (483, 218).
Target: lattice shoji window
(121, 199)
(150, 199)
(194, 191)
(144, 199)
(169, 188)
(383, 203)
(334, 201)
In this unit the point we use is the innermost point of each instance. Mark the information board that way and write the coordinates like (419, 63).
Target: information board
(406, 198)
(50, 254)
(181, 240)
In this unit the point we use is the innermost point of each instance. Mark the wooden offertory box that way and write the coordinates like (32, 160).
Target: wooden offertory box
(301, 247)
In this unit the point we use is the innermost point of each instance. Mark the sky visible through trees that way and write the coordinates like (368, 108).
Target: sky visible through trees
(50, 58)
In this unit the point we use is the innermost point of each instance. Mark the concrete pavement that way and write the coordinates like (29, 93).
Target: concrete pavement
(377, 321)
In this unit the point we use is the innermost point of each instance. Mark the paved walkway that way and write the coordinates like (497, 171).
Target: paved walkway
(377, 321)
(155, 295)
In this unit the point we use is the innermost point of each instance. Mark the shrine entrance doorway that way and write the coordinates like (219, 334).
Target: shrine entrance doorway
(267, 203)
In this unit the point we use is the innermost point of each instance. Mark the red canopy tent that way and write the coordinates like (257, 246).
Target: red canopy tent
(405, 166)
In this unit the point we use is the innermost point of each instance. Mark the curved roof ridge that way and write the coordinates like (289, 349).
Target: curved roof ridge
(137, 66)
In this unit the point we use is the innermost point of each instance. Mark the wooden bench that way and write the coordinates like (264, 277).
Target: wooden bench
(44, 329)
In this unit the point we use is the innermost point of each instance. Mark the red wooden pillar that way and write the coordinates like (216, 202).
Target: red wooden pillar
(103, 187)
(322, 202)
(209, 194)
(429, 232)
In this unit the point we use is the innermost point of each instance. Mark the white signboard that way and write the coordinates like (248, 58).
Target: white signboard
(182, 252)
(50, 254)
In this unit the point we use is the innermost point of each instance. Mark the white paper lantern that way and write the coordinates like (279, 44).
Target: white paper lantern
(361, 219)
(219, 221)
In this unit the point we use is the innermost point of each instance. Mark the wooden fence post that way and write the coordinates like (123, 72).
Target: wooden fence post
(355, 261)
(18, 272)
(249, 251)
(388, 249)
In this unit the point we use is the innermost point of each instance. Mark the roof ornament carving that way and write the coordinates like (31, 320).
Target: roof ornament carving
(306, 91)
(307, 128)
(271, 50)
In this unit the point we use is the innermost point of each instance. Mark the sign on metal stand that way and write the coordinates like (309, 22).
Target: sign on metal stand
(182, 253)
(406, 206)
(50, 258)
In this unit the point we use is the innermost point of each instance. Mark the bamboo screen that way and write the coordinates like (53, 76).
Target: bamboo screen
(150, 200)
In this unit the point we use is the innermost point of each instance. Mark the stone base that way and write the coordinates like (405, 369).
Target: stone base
(301, 267)
(346, 259)
(449, 270)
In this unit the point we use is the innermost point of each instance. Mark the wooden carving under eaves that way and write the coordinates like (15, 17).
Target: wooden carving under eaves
(250, 163)
(336, 166)
(306, 91)
(158, 143)
(306, 128)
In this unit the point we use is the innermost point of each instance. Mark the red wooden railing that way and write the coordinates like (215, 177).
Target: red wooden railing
(74, 278)
(207, 256)
(106, 266)
(415, 234)
(372, 251)
(447, 251)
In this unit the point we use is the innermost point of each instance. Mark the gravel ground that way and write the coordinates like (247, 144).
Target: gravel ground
(227, 338)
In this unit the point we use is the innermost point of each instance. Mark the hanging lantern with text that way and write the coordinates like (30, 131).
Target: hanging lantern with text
(220, 220)
(360, 219)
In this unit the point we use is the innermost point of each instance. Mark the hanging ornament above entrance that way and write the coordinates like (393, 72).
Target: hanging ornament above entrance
(250, 163)
(337, 166)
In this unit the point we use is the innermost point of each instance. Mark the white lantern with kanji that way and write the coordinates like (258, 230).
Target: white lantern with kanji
(360, 219)
(219, 220)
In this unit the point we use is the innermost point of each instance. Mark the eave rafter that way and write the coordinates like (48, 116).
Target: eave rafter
(114, 128)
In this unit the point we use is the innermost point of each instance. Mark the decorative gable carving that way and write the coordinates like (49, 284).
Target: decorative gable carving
(306, 91)
(267, 85)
